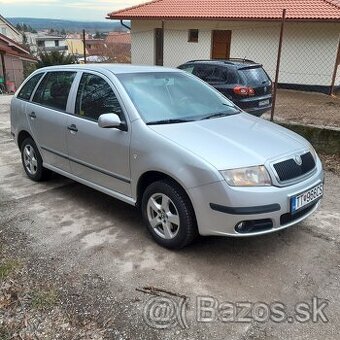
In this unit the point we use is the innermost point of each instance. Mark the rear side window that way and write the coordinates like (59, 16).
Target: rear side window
(54, 89)
(211, 73)
(254, 76)
(26, 91)
(95, 97)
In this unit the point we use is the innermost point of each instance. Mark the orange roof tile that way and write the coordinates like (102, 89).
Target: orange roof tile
(297, 10)
(118, 38)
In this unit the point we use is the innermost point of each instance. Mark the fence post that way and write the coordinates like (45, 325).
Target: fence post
(278, 64)
(84, 43)
(337, 62)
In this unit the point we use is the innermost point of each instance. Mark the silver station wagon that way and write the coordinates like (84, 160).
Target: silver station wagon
(166, 142)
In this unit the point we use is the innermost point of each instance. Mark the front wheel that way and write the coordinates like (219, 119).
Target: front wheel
(168, 214)
(32, 161)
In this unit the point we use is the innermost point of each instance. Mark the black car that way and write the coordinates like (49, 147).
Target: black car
(243, 81)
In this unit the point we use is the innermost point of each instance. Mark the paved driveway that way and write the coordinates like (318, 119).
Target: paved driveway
(97, 249)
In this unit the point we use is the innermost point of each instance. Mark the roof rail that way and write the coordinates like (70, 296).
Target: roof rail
(226, 61)
(244, 60)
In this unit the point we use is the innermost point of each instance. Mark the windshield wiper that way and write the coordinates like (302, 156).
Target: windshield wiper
(169, 121)
(220, 114)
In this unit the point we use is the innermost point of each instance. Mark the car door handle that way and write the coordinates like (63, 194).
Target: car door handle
(32, 115)
(72, 128)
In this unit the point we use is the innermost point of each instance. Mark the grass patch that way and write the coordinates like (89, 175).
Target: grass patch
(43, 300)
(7, 267)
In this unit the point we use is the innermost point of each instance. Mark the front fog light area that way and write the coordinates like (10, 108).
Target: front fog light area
(253, 226)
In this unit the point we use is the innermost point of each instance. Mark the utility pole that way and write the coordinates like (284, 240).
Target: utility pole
(84, 43)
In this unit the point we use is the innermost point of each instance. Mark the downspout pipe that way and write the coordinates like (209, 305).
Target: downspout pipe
(126, 26)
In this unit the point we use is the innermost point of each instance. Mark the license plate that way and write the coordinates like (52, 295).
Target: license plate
(264, 102)
(306, 198)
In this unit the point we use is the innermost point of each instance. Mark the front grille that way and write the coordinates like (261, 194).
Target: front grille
(289, 169)
(287, 218)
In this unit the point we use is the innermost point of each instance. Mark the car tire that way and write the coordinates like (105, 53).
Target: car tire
(169, 215)
(32, 161)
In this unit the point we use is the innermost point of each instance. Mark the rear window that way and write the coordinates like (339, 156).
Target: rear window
(254, 76)
(26, 91)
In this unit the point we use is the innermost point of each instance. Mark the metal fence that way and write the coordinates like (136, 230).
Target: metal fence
(309, 60)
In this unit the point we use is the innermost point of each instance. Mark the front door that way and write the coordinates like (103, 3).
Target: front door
(98, 155)
(221, 41)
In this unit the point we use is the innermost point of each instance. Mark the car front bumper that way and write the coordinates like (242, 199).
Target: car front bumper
(220, 208)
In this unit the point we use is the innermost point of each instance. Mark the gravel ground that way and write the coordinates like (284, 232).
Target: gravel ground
(77, 264)
(307, 108)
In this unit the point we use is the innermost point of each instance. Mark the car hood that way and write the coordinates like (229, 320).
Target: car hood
(234, 141)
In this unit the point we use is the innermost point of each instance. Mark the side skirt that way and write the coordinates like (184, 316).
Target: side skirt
(109, 192)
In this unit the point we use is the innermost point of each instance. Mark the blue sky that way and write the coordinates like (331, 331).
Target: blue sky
(63, 9)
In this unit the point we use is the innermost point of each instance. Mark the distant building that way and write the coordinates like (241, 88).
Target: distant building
(75, 46)
(95, 46)
(49, 43)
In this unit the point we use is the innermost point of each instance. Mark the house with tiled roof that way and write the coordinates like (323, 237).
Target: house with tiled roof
(13, 56)
(171, 32)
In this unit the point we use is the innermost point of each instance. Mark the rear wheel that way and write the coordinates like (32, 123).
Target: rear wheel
(168, 214)
(32, 161)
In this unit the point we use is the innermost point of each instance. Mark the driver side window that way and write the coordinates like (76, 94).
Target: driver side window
(95, 97)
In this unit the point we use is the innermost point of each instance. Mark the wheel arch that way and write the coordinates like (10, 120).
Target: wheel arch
(23, 134)
(152, 176)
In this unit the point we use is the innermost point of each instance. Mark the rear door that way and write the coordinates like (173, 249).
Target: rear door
(98, 155)
(47, 115)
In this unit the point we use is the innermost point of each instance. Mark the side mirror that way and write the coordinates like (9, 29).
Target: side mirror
(110, 120)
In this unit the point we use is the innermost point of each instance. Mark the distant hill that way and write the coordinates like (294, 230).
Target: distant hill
(69, 25)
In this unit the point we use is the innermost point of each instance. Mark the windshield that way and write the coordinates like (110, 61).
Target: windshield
(174, 97)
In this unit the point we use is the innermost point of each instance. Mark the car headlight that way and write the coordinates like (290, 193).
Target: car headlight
(247, 177)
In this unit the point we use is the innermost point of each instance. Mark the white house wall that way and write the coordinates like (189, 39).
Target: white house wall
(51, 43)
(308, 54)
(143, 42)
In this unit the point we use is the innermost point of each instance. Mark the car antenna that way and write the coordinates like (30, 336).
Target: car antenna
(244, 59)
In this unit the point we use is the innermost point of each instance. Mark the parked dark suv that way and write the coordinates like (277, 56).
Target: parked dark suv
(243, 81)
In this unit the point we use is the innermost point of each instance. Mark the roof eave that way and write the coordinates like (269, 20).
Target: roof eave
(121, 17)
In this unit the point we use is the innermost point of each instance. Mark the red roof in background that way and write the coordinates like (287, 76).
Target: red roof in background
(297, 10)
(118, 38)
